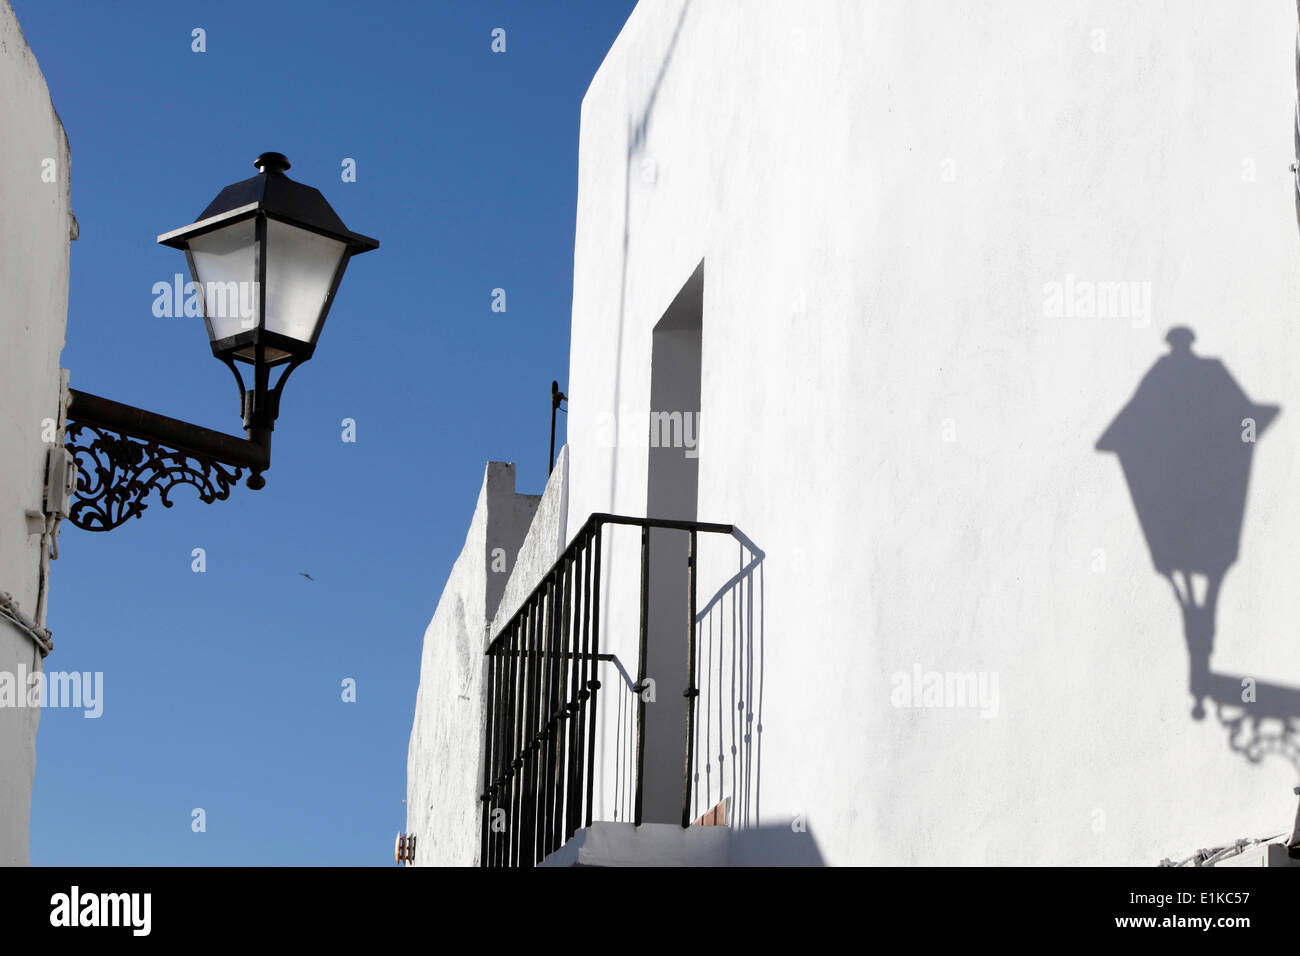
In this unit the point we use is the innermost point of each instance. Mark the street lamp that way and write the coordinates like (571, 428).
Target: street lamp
(266, 258)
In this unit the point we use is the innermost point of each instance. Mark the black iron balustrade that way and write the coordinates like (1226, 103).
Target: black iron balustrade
(542, 687)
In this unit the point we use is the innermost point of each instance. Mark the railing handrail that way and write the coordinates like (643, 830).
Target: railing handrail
(594, 521)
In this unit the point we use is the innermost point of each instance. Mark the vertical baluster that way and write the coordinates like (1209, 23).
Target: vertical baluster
(548, 740)
(507, 729)
(640, 671)
(534, 709)
(571, 693)
(516, 673)
(594, 682)
(691, 691)
(485, 842)
(539, 754)
(561, 702)
(501, 757)
(503, 753)
(548, 747)
(498, 748)
(521, 786)
(525, 734)
(582, 675)
(557, 713)
(494, 800)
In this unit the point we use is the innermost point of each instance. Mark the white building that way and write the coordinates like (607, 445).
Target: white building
(890, 275)
(36, 225)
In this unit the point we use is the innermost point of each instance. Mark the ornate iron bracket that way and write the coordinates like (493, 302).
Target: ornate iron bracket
(124, 454)
(115, 474)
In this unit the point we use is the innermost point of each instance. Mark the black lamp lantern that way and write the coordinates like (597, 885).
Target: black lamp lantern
(267, 256)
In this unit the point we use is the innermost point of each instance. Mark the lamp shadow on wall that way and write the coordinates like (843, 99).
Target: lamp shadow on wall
(1185, 442)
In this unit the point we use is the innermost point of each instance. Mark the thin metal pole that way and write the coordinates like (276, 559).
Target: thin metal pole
(528, 843)
(582, 694)
(691, 691)
(548, 738)
(492, 756)
(571, 707)
(498, 752)
(561, 715)
(512, 768)
(552, 724)
(530, 783)
(640, 672)
(498, 778)
(516, 747)
(594, 683)
(572, 597)
(484, 858)
(501, 747)
(557, 396)
(521, 751)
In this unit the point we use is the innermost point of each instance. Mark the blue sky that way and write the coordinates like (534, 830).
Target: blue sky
(222, 689)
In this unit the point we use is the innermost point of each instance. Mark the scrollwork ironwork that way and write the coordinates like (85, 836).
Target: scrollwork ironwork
(117, 473)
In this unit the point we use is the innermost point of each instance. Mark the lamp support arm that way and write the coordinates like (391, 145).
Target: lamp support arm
(124, 453)
(194, 440)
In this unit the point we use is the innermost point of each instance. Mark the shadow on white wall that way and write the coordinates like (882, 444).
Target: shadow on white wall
(1186, 442)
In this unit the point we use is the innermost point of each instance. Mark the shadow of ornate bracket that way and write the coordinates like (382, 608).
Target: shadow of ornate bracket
(124, 454)
(1264, 723)
(1257, 736)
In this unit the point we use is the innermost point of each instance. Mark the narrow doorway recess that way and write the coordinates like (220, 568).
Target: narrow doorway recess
(672, 491)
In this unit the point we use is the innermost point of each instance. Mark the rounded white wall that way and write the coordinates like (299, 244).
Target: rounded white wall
(35, 227)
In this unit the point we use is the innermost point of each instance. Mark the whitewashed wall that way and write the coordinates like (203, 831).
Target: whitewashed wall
(444, 767)
(36, 224)
(882, 194)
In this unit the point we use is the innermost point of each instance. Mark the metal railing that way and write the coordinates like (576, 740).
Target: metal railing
(542, 690)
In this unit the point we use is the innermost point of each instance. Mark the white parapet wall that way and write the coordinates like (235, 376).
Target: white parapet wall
(36, 225)
(512, 540)
(942, 244)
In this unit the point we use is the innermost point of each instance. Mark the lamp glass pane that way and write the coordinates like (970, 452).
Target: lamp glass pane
(226, 262)
(300, 268)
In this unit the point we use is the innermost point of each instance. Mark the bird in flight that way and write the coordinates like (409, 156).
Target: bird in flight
(306, 575)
